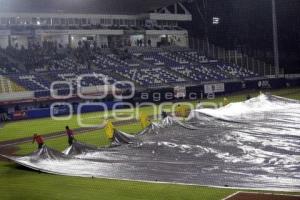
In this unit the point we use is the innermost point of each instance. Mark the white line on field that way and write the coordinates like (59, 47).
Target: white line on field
(232, 195)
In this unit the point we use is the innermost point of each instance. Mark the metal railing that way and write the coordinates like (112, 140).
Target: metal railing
(232, 56)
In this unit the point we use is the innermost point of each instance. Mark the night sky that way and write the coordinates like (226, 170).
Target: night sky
(247, 24)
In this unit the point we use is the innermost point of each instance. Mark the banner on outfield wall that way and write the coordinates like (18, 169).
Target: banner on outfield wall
(264, 84)
(179, 92)
(64, 110)
(214, 88)
(18, 115)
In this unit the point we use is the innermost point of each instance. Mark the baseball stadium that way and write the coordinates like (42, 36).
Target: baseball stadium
(131, 99)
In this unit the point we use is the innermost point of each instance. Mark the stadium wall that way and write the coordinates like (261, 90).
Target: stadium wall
(169, 94)
(201, 91)
(61, 110)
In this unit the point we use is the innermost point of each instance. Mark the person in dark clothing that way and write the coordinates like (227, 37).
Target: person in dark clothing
(164, 114)
(39, 140)
(70, 135)
(149, 43)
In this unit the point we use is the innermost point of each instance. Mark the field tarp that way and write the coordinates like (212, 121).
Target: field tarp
(252, 144)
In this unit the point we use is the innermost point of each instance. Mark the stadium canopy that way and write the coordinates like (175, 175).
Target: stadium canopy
(83, 6)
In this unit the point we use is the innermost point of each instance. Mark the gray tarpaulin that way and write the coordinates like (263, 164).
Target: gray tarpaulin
(251, 144)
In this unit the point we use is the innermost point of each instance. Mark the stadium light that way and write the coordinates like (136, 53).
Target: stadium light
(275, 38)
(216, 20)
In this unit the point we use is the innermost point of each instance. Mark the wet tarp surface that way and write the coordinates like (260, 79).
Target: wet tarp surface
(252, 144)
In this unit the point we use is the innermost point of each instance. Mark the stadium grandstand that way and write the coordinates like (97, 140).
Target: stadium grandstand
(147, 48)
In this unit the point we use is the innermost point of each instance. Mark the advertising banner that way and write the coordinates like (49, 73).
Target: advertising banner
(18, 115)
(214, 88)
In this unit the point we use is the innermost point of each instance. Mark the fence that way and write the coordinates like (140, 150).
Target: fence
(232, 56)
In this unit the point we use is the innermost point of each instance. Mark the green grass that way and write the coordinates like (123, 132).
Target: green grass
(27, 128)
(19, 183)
(96, 138)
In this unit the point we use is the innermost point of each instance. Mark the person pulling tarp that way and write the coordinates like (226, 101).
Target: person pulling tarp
(144, 120)
(39, 140)
(225, 101)
(181, 111)
(109, 130)
(70, 135)
(164, 114)
(117, 137)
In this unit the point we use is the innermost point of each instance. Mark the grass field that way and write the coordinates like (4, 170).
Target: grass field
(96, 138)
(18, 183)
(21, 129)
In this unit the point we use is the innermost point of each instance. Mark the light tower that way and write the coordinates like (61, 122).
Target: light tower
(275, 38)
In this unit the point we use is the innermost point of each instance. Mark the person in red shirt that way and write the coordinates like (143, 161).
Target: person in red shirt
(70, 135)
(39, 140)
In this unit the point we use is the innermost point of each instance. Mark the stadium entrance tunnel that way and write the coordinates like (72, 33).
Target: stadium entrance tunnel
(253, 144)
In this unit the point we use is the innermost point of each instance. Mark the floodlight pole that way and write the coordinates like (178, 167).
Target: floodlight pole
(275, 39)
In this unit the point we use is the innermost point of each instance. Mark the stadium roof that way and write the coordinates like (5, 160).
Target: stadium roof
(83, 6)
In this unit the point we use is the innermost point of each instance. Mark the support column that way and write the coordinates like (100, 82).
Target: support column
(70, 41)
(9, 40)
